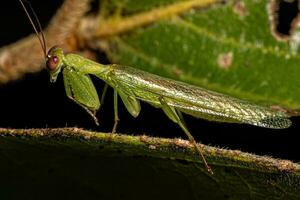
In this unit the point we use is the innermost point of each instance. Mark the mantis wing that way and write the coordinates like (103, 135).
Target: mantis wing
(197, 101)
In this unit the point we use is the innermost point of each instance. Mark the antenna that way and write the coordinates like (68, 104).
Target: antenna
(39, 33)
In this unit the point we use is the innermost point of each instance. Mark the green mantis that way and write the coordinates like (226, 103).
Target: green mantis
(133, 85)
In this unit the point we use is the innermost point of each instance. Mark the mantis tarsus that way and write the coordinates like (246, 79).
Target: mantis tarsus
(133, 85)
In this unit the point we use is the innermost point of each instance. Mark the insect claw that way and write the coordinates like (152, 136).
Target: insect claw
(115, 126)
(96, 121)
(94, 118)
(208, 168)
(93, 115)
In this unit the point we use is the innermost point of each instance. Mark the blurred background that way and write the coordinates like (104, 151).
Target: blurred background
(34, 102)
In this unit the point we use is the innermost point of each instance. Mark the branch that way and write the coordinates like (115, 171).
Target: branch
(26, 56)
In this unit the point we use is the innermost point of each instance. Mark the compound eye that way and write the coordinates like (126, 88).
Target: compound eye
(52, 63)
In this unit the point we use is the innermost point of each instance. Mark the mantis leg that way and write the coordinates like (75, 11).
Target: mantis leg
(176, 117)
(104, 93)
(92, 114)
(116, 111)
(80, 89)
(131, 103)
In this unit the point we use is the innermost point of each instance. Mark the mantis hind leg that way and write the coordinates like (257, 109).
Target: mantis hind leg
(115, 111)
(176, 116)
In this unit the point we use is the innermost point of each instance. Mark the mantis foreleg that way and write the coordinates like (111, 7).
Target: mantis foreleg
(81, 90)
(92, 114)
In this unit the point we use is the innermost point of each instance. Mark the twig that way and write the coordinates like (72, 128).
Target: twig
(25, 56)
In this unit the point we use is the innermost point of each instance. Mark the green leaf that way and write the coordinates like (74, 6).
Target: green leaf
(73, 163)
(227, 47)
(204, 43)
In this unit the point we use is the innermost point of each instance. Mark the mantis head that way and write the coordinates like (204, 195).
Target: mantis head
(54, 62)
(54, 57)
